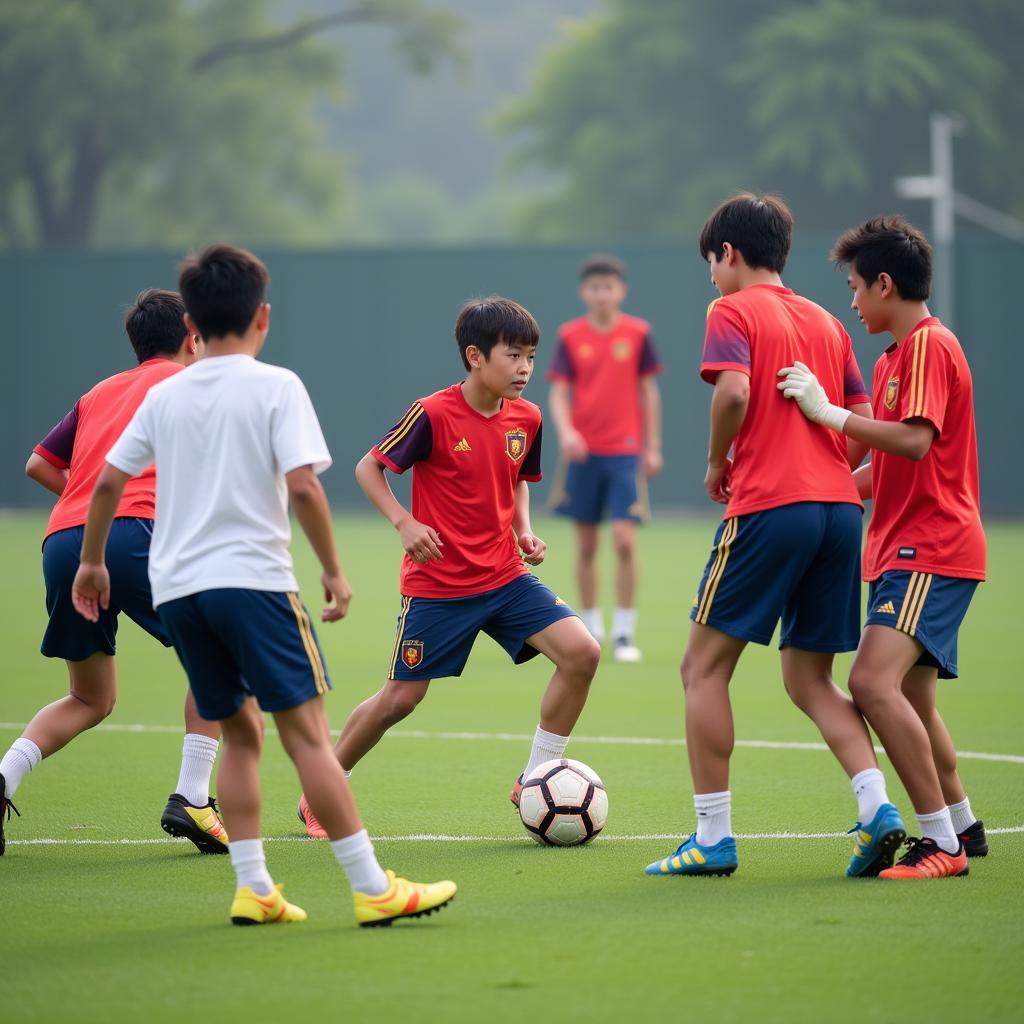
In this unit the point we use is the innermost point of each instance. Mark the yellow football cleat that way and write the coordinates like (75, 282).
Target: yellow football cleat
(403, 899)
(200, 825)
(249, 908)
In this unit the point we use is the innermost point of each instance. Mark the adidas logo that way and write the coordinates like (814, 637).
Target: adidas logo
(462, 446)
(886, 609)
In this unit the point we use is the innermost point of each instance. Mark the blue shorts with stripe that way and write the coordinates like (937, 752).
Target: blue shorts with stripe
(236, 643)
(928, 608)
(73, 638)
(436, 635)
(600, 487)
(799, 563)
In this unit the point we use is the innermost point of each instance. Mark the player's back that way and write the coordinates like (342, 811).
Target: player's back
(779, 457)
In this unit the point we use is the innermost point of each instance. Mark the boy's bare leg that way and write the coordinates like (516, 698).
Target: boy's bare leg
(239, 776)
(707, 669)
(808, 679)
(575, 654)
(624, 539)
(371, 719)
(587, 542)
(197, 725)
(919, 686)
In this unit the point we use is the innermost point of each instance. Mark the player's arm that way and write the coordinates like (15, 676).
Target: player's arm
(91, 589)
(571, 441)
(728, 410)
(47, 475)
(532, 547)
(309, 503)
(856, 450)
(862, 478)
(650, 405)
(421, 543)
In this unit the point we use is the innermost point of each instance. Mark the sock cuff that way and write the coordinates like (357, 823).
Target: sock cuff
(354, 845)
(550, 740)
(242, 850)
(712, 801)
(29, 750)
(933, 817)
(197, 743)
(869, 774)
(964, 805)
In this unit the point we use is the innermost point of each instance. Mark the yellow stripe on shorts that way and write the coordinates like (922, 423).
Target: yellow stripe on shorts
(406, 604)
(715, 576)
(309, 643)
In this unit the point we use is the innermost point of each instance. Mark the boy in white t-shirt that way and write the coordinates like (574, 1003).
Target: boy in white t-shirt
(233, 439)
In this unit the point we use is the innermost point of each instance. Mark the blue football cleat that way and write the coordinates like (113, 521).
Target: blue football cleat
(693, 859)
(877, 843)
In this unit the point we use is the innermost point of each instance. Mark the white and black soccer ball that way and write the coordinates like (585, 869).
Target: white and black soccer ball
(563, 803)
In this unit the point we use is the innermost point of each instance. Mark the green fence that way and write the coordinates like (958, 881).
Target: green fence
(370, 330)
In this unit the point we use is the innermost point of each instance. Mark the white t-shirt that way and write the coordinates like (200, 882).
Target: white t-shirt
(223, 433)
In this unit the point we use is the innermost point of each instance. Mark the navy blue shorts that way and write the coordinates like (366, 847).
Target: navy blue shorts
(435, 635)
(800, 563)
(73, 638)
(603, 486)
(926, 607)
(236, 644)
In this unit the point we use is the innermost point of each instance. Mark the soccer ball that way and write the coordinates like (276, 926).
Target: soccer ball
(563, 803)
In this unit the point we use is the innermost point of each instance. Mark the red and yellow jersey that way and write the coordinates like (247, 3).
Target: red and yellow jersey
(80, 442)
(926, 515)
(780, 457)
(604, 369)
(465, 468)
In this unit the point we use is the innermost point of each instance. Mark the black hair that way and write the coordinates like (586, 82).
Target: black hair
(759, 227)
(222, 287)
(155, 324)
(490, 321)
(603, 264)
(889, 244)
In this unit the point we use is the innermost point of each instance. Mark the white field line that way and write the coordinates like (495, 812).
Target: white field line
(620, 741)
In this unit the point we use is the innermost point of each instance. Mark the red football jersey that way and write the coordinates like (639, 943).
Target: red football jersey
(926, 515)
(780, 457)
(80, 442)
(465, 467)
(604, 369)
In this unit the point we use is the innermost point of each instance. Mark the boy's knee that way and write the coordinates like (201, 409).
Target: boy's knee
(624, 539)
(399, 703)
(98, 708)
(866, 690)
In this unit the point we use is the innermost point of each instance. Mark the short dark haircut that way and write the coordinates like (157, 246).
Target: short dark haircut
(155, 324)
(222, 286)
(603, 264)
(492, 321)
(760, 227)
(892, 245)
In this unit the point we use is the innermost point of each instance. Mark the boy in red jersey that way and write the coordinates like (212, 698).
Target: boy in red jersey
(925, 546)
(473, 448)
(67, 462)
(789, 546)
(607, 411)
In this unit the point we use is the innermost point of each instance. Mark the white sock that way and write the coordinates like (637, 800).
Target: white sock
(198, 754)
(546, 747)
(23, 756)
(594, 622)
(348, 772)
(962, 815)
(714, 816)
(355, 855)
(624, 624)
(869, 789)
(939, 826)
(250, 865)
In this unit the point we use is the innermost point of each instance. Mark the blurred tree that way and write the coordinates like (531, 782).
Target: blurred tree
(164, 121)
(656, 109)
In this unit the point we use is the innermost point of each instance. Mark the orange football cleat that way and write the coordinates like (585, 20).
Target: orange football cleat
(926, 859)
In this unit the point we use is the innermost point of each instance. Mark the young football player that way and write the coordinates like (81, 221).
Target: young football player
(925, 550)
(789, 546)
(67, 462)
(607, 411)
(472, 448)
(233, 439)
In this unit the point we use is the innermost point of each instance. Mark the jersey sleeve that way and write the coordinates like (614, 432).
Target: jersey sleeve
(295, 434)
(930, 377)
(726, 343)
(854, 390)
(134, 450)
(530, 469)
(650, 363)
(561, 364)
(409, 441)
(58, 445)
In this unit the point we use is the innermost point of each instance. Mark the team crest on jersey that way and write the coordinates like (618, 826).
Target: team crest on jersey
(622, 349)
(891, 390)
(515, 444)
(412, 652)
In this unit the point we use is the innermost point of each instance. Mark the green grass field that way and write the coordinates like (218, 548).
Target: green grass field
(109, 920)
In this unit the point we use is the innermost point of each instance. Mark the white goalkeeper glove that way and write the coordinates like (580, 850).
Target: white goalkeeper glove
(801, 384)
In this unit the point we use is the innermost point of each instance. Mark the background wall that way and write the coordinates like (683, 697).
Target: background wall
(370, 330)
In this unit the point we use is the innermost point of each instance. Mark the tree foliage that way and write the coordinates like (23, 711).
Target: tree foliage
(655, 109)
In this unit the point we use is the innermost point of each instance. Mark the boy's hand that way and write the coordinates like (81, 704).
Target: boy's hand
(716, 482)
(533, 548)
(574, 448)
(91, 590)
(653, 462)
(421, 543)
(799, 383)
(336, 589)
